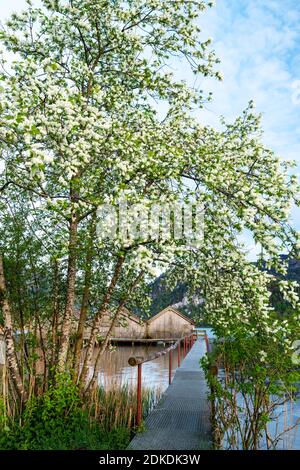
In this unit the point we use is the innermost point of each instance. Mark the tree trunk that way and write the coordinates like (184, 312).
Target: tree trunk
(85, 301)
(20, 297)
(54, 339)
(70, 300)
(13, 365)
(108, 334)
(95, 327)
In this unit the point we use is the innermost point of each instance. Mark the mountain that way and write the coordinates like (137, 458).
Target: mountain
(293, 272)
(162, 296)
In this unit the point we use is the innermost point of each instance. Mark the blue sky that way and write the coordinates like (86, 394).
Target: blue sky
(258, 42)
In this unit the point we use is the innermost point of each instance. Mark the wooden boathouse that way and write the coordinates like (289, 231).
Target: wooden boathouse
(169, 324)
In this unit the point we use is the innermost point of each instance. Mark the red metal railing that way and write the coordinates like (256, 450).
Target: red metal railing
(187, 341)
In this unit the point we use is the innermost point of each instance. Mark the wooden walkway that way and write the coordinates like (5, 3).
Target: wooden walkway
(181, 419)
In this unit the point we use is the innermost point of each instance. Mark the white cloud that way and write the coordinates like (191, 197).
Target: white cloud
(258, 44)
(8, 7)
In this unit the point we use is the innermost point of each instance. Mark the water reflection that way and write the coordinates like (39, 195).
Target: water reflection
(114, 366)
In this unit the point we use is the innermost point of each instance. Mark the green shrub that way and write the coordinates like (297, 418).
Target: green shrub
(57, 421)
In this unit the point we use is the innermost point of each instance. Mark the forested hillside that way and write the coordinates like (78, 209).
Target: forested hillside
(163, 296)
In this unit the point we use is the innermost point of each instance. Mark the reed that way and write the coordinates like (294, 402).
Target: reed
(116, 406)
(60, 419)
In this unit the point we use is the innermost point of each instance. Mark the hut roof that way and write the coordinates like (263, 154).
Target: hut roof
(130, 315)
(175, 311)
(124, 313)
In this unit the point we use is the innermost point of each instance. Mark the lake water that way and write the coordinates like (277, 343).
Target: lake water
(114, 368)
(285, 423)
(288, 416)
(114, 365)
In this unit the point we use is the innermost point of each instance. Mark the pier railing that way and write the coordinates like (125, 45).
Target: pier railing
(186, 342)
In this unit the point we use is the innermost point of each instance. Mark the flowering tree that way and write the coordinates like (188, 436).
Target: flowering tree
(79, 129)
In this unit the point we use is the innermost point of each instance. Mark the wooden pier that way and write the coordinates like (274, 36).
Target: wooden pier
(143, 340)
(181, 419)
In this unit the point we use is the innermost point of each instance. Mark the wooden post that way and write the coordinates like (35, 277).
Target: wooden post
(139, 396)
(207, 343)
(170, 367)
(178, 354)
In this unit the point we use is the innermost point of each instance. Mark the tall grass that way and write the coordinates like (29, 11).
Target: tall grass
(60, 419)
(116, 406)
